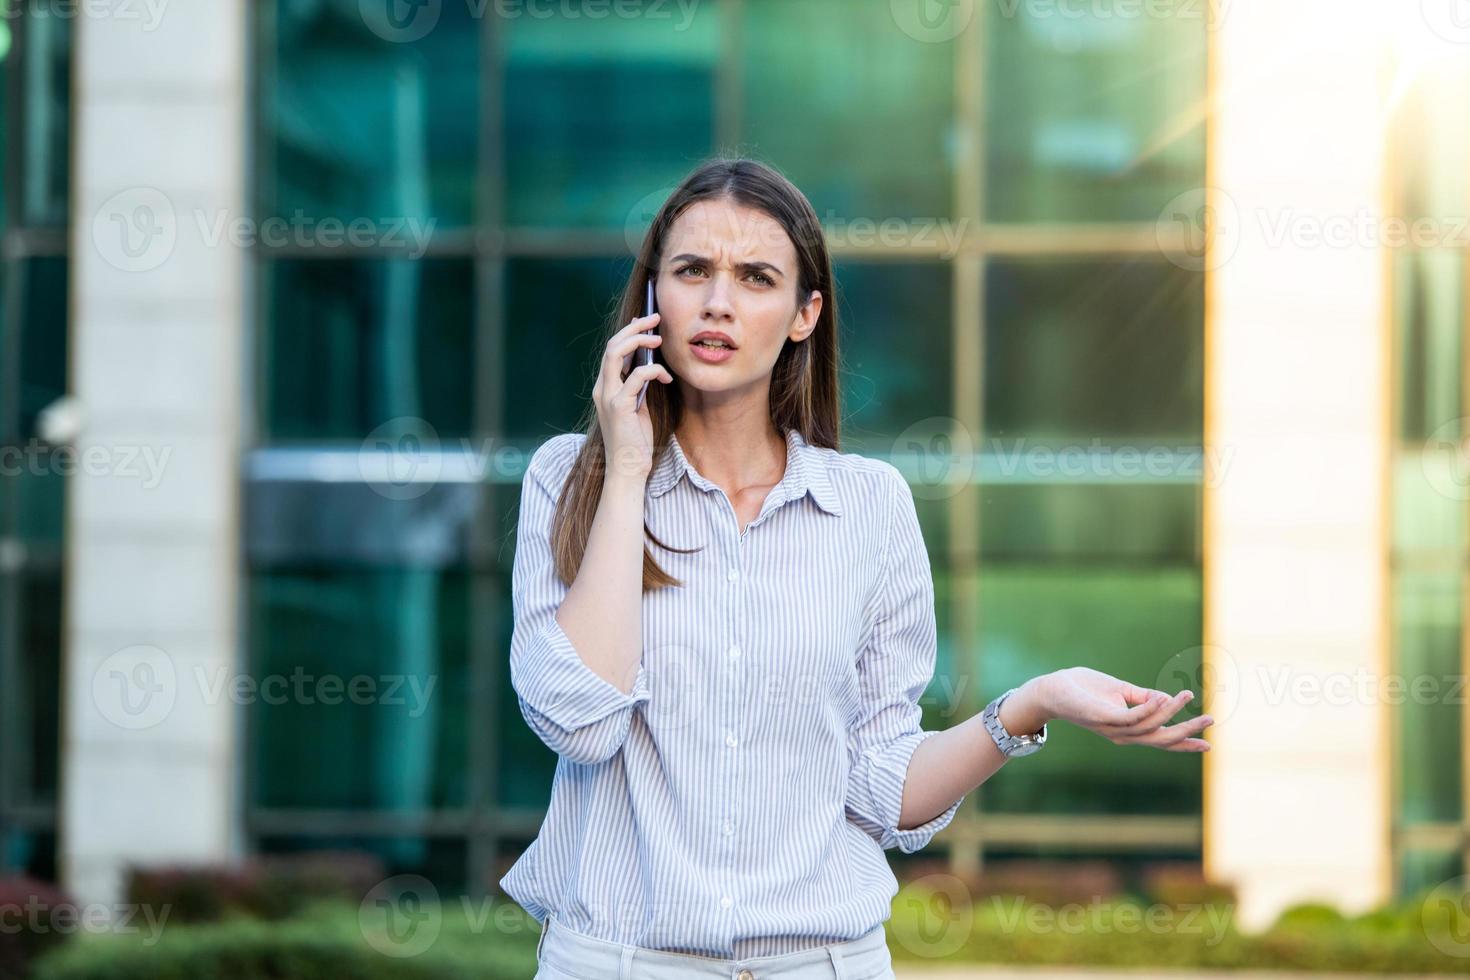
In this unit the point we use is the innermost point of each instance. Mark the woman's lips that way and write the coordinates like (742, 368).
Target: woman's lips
(712, 355)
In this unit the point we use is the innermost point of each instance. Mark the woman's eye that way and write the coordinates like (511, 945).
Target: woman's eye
(764, 279)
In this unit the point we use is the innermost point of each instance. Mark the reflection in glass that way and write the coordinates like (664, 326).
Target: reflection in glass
(352, 344)
(894, 335)
(1429, 291)
(1124, 622)
(555, 320)
(1089, 523)
(41, 360)
(362, 688)
(1106, 349)
(1093, 117)
(45, 87)
(600, 113)
(357, 125)
(855, 111)
(1428, 625)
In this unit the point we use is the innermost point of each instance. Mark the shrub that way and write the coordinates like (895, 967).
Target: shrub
(32, 905)
(325, 942)
(272, 887)
(927, 925)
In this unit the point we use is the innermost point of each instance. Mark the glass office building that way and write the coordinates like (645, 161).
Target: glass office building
(1018, 203)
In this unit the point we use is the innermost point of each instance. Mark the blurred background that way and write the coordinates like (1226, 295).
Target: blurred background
(1160, 306)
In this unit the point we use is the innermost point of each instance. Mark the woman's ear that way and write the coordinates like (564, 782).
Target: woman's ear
(807, 317)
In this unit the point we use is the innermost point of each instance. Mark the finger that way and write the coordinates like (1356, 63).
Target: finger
(1190, 745)
(1114, 717)
(636, 377)
(626, 347)
(1161, 711)
(1133, 694)
(1173, 734)
(616, 356)
(635, 326)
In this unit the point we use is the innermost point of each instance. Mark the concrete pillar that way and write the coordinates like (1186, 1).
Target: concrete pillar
(1297, 400)
(152, 544)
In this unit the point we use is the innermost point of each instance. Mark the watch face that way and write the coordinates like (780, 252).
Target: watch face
(1025, 748)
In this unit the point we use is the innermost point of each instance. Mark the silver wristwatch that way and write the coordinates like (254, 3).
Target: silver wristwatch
(1010, 745)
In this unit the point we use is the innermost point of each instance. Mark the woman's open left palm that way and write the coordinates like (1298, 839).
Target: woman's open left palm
(1124, 713)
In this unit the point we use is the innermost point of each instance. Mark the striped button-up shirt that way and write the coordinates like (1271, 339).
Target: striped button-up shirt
(737, 801)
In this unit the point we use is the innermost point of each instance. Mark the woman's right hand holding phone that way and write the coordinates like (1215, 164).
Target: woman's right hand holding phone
(627, 433)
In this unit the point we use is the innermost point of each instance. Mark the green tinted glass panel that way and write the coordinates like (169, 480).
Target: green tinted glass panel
(853, 109)
(1421, 871)
(37, 488)
(601, 111)
(8, 65)
(1122, 622)
(351, 344)
(368, 670)
(1429, 294)
(1428, 625)
(40, 305)
(555, 329)
(29, 852)
(36, 724)
(45, 89)
(950, 692)
(1086, 523)
(1106, 349)
(1431, 485)
(1092, 116)
(355, 124)
(894, 334)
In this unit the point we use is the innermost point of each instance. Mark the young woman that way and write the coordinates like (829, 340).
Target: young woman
(723, 626)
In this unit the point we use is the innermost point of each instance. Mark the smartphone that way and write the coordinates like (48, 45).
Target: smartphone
(644, 355)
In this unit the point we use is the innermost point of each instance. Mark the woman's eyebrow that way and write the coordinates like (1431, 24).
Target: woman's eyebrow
(742, 266)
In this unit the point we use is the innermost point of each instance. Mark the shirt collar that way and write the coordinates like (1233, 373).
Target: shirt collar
(806, 471)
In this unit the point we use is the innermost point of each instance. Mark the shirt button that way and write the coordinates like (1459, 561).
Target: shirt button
(732, 574)
(731, 740)
(728, 828)
(726, 902)
(733, 653)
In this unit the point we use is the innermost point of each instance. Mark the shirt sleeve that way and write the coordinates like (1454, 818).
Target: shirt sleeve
(894, 668)
(577, 713)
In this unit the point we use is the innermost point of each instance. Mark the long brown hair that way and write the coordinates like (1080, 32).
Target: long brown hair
(804, 393)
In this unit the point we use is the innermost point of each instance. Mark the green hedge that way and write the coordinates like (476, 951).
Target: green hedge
(325, 942)
(498, 942)
(931, 924)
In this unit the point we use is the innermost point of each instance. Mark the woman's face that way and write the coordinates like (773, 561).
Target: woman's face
(729, 269)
